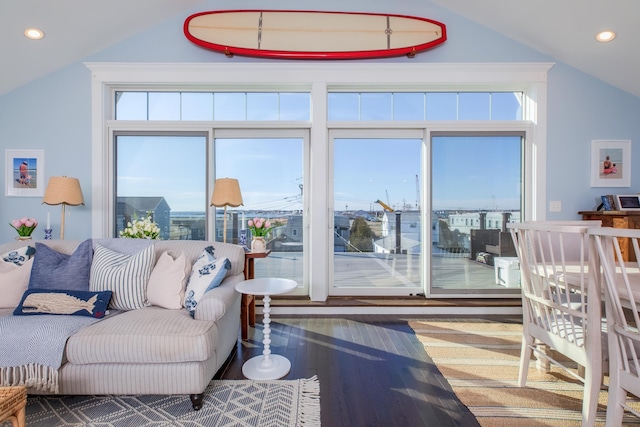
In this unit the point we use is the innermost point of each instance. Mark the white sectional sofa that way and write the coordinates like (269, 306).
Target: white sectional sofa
(151, 349)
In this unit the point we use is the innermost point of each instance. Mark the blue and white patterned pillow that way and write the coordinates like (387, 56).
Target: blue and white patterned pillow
(19, 256)
(57, 301)
(125, 275)
(207, 273)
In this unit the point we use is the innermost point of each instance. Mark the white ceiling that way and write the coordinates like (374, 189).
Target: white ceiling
(563, 29)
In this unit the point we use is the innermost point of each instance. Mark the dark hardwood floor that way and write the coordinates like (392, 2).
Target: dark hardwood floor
(373, 371)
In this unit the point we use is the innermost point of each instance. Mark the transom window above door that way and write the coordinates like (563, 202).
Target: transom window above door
(207, 106)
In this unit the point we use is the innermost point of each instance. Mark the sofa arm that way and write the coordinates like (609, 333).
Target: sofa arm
(214, 303)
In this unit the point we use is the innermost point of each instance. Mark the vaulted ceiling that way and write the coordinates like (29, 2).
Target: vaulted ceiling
(564, 30)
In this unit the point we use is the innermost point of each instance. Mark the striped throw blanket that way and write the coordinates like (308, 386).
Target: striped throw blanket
(32, 347)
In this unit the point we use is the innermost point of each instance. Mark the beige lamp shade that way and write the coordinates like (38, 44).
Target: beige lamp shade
(63, 190)
(226, 192)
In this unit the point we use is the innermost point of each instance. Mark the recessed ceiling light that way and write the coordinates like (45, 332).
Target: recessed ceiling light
(605, 36)
(34, 33)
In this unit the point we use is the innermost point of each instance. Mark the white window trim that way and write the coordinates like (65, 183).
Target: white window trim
(318, 77)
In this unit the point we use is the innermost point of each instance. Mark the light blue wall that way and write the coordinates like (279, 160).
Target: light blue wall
(53, 113)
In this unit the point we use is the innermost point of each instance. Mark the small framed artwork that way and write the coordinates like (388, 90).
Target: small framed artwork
(610, 163)
(25, 173)
(627, 202)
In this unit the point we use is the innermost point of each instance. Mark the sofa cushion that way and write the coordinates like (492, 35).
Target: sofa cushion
(167, 281)
(55, 270)
(19, 256)
(207, 273)
(159, 336)
(14, 280)
(55, 301)
(125, 275)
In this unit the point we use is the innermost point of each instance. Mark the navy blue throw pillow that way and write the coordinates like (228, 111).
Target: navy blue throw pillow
(57, 301)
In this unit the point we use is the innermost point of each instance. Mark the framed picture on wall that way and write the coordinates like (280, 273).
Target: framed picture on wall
(611, 163)
(25, 173)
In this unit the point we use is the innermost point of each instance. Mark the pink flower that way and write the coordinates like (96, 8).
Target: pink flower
(267, 224)
(250, 223)
(24, 226)
(259, 223)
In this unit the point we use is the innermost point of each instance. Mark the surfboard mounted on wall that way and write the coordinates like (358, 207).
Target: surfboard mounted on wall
(292, 34)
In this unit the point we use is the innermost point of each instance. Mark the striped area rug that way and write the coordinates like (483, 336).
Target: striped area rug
(480, 360)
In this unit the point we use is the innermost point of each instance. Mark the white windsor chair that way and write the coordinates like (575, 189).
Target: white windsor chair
(554, 266)
(622, 285)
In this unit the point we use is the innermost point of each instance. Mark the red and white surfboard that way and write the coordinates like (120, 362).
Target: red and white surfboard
(313, 35)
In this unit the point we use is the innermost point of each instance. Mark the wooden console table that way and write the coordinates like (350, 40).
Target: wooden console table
(248, 305)
(617, 219)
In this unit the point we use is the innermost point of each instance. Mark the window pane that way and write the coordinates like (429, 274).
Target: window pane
(476, 189)
(262, 106)
(370, 249)
(295, 106)
(506, 106)
(131, 105)
(164, 106)
(164, 175)
(442, 106)
(197, 106)
(229, 106)
(270, 173)
(375, 106)
(473, 106)
(408, 106)
(344, 106)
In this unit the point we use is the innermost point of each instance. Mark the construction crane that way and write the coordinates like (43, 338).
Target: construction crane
(384, 205)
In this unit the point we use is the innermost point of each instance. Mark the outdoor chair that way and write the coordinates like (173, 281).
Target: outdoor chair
(556, 291)
(622, 287)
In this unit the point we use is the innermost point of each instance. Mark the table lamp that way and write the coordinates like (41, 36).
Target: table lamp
(226, 192)
(62, 190)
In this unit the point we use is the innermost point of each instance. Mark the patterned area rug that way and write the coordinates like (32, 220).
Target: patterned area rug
(480, 360)
(285, 403)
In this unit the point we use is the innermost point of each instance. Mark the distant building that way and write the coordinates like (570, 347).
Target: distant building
(404, 238)
(288, 238)
(129, 209)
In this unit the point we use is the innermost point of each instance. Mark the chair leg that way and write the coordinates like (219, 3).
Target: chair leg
(592, 382)
(525, 357)
(615, 411)
(542, 363)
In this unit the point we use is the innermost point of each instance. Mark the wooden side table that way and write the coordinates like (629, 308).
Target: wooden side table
(13, 401)
(248, 305)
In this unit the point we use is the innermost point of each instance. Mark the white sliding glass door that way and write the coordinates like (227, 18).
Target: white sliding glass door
(377, 223)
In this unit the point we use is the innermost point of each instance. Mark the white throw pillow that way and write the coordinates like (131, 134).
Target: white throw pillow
(14, 281)
(167, 281)
(125, 275)
(207, 273)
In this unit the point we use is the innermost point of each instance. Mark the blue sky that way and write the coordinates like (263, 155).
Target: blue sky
(467, 173)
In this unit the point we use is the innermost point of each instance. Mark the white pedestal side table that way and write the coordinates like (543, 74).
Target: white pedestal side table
(268, 366)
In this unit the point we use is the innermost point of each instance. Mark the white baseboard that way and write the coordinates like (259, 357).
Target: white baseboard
(402, 311)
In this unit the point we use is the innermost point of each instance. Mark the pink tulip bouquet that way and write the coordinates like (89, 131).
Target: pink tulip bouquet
(24, 226)
(259, 227)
